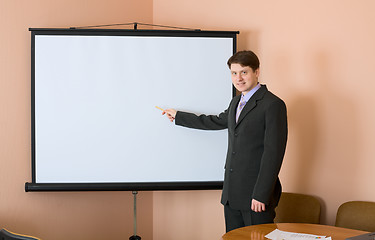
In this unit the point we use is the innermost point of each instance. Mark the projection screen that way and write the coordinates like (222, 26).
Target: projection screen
(95, 125)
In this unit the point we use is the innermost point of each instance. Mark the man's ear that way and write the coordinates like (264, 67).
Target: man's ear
(257, 72)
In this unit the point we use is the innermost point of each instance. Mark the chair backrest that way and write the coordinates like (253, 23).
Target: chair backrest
(358, 215)
(7, 235)
(297, 208)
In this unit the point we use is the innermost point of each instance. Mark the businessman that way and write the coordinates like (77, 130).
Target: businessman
(257, 134)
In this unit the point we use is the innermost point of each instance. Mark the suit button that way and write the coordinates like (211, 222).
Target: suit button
(233, 153)
(231, 170)
(236, 134)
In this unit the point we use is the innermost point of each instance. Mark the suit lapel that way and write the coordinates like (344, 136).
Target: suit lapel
(252, 103)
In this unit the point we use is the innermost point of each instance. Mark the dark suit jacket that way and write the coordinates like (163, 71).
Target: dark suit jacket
(256, 147)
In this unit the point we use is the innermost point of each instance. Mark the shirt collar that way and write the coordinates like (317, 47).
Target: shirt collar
(248, 95)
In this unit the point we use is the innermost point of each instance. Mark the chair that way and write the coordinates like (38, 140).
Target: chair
(297, 208)
(7, 235)
(358, 215)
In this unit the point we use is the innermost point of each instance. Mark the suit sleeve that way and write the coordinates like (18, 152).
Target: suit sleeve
(276, 131)
(204, 122)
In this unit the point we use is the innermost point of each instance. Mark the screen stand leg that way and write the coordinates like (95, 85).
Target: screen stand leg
(135, 237)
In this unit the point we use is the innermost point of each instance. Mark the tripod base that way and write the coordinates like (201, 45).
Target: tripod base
(135, 237)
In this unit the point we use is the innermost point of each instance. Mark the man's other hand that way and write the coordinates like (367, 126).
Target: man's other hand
(257, 206)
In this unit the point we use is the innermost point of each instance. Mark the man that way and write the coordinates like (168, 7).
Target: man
(257, 134)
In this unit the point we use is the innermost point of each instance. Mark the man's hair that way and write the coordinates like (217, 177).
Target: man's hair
(245, 59)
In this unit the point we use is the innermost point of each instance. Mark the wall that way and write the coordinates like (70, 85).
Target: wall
(55, 216)
(319, 57)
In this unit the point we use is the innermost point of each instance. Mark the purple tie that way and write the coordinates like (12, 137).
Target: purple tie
(240, 107)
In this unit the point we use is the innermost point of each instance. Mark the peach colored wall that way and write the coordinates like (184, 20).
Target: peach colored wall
(55, 216)
(319, 57)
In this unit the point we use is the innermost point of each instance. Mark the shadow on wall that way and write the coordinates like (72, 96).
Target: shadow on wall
(302, 117)
(326, 137)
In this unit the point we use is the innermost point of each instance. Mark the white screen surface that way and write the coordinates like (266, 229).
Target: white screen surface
(95, 116)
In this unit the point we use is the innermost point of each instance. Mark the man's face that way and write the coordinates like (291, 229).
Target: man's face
(244, 78)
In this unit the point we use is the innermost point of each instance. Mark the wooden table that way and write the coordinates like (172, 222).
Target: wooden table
(257, 232)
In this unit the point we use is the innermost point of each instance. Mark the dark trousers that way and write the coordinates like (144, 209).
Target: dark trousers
(241, 218)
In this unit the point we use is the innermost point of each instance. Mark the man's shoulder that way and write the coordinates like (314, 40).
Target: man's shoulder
(267, 94)
(270, 98)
